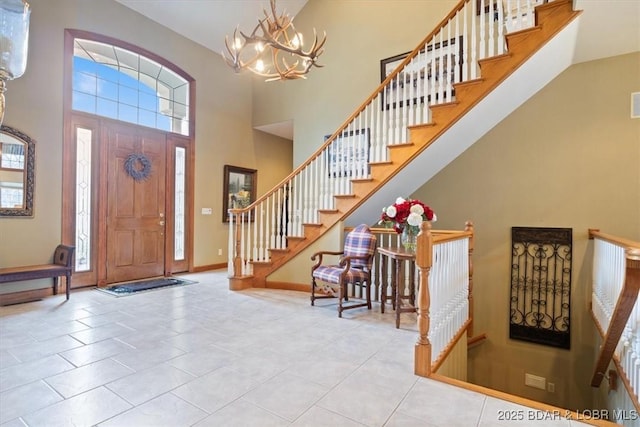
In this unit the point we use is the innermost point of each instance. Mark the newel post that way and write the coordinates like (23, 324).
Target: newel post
(468, 227)
(239, 279)
(424, 257)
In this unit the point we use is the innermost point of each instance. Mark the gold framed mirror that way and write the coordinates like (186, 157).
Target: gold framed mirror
(17, 172)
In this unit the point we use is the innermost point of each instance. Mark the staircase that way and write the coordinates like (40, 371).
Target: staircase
(421, 117)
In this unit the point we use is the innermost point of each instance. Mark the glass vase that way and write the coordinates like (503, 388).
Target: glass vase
(409, 237)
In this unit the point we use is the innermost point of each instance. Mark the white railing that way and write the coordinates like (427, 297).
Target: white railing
(616, 279)
(472, 31)
(443, 262)
(608, 278)
(448, 277)
(449, 289)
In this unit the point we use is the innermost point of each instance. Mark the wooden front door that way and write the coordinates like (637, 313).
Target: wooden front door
(135, 203)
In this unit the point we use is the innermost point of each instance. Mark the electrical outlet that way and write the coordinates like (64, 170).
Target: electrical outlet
(551, 387)
(207, 211)
(219, 251)
(535, 381)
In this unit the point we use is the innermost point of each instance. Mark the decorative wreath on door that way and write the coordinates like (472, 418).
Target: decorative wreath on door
(138, 166)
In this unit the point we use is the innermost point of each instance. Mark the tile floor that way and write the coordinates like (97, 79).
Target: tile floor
(201, 355)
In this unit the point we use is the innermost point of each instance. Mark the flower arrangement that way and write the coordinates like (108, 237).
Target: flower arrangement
(406, 216)
(405, 213)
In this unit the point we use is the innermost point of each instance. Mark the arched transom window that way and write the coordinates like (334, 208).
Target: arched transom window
(113, 82)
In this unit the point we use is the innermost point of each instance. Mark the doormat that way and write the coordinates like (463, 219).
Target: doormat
(130, 288)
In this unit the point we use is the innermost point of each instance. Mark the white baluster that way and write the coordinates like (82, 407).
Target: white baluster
(473, 64)
(347, 146)
(279, 200)
(315, 190)
(508, 17)
(296, 203)
(440, 72)
(483, 29)
(491, 23)
(231, 245)
(377, 152)
(432, 72)
(530, 15)
(289, 210)
(500, 23)
(243, 245)
(456, 51)
(411, 96)
(363, 149)
(386, 125)
(419, 89)
(254, 226)
(396, 124)
(445, 64)
(373, 130)
(260, 218)
(465, 43)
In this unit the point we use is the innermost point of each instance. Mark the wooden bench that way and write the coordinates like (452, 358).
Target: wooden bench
(61, 266)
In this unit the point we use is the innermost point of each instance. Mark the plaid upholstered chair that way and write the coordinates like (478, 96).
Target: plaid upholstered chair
(354, 268)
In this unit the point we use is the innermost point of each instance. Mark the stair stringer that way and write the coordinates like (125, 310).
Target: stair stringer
(545, 65)
(506, 87)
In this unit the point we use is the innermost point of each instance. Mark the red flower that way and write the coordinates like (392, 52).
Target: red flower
(406, 212)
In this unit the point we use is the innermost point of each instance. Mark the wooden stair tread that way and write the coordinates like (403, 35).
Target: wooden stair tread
(449, 104)
(472, 82)
(551, 18)
(278, 250)
(261, 263)
(496, 58)
(401, 145)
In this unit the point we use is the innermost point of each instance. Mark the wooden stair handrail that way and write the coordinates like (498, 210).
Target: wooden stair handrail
(619, 241)
(358, 110)
(624, 306)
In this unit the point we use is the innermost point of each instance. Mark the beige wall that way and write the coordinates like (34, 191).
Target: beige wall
(569, 157)
(224, 132)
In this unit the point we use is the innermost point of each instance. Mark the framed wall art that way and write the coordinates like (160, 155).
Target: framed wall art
(348, 155)
(438, 61)
(239, 189)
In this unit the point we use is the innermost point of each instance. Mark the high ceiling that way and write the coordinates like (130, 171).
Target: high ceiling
(207, 22)
(607, 27)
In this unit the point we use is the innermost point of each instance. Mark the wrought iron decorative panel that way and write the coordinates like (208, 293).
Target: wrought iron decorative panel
(541, 285)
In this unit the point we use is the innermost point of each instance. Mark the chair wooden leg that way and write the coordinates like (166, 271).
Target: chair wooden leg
(367, 289)
(68, 289)
(55, 286)
(313, 290)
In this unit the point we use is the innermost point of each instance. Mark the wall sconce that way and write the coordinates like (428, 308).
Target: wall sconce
(14, 42)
